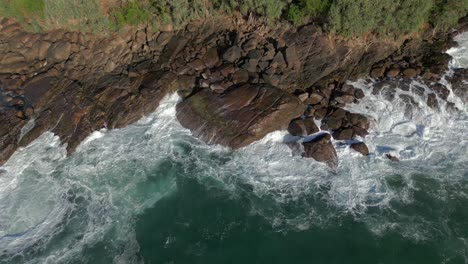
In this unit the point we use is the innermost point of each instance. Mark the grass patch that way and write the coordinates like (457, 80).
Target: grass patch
(78, 15)
(132, 14)
(344, 17)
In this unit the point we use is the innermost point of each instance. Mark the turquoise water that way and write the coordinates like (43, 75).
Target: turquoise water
(151, 193)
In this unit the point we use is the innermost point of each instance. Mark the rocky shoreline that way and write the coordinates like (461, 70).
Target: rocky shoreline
(238, 80)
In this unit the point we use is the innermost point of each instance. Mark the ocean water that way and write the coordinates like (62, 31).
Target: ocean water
(152, 193)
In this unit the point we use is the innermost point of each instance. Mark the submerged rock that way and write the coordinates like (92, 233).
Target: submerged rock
(361, 148)
(392, 158)
(321, 149)
(239, 116)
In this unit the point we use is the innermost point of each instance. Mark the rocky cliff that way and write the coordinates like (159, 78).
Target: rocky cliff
(238, 80)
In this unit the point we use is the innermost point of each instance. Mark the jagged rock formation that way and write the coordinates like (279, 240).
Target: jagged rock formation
(239, 81)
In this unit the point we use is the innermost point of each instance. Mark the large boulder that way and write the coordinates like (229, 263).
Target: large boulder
(321, 149)
(239, 116)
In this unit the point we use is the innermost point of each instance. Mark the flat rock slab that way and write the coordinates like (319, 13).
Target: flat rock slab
(239, 116)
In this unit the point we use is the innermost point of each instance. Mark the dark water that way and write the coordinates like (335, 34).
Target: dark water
(205, 225)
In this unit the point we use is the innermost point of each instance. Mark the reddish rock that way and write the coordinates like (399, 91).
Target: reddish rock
(361, 148)
(321, 149)
(240, 116)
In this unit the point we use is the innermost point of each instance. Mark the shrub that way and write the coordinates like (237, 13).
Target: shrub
(315, 7)
(132, 14)
(356, 17)
(446, 13)
(295, 14)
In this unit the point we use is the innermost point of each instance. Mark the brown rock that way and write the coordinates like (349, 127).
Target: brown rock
(20, 114)
(345, 99)
(241, 76)
(197, 65)
(186, 84)
(211, 58)
(377, 73)
(334, 120)
(232, 54)
(358, 120)
(392, 73)
(250, 65)
(250, 45)
(59, 52)
(270, 53)
(321, 149)
(239, 116)
(272, 79)
(344, 134)
(278, 61)
(303, 127)
(361, 148)
(255, 54)
(303, 96)
(314, 98)
(410, 73)
(291, 57)
(320, 112)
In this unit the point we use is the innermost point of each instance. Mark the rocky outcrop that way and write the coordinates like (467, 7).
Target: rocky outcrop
(239, 116)
(238, 80)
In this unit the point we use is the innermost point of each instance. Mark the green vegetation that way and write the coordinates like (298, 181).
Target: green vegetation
(355, 17)
(447, 12)
(76, 15)
(344, 17)
(132, 14)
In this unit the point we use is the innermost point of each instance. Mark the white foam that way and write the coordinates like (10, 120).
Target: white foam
(84, 197)
(460, 53)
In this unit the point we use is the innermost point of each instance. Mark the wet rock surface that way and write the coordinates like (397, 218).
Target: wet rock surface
(239, 116)
(321, 149)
